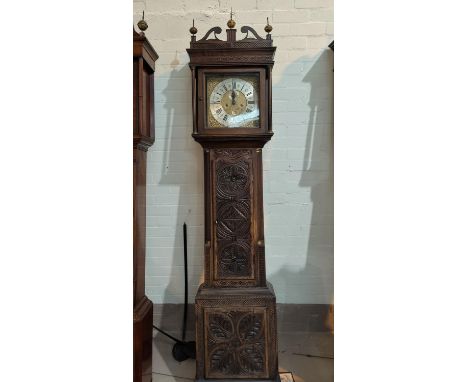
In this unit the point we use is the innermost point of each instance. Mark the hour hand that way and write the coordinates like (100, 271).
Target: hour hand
(233, 97)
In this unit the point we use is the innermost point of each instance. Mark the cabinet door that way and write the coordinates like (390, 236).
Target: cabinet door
(233, 212)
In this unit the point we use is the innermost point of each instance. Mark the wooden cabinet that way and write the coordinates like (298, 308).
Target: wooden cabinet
(144, 58)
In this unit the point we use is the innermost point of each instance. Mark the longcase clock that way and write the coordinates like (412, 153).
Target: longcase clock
(235, 306)
(144, 58)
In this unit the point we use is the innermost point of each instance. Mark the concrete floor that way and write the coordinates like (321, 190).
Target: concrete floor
(298, 353)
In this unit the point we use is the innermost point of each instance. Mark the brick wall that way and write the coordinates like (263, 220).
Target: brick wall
(298, 161)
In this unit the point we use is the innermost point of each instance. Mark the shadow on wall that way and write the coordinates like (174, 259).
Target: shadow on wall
(307, 277)
(181, 173)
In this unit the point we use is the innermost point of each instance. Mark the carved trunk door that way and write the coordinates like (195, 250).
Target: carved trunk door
(234, 250)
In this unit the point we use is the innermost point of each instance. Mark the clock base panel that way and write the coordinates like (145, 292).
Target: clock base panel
(236, 334)
(277, 379)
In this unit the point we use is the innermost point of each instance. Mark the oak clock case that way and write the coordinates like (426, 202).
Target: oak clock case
(144, 58)
(235, 307)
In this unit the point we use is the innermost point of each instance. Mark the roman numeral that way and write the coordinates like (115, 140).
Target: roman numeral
(248, 110)
(225, 118)
(219, 110)
(251, 102)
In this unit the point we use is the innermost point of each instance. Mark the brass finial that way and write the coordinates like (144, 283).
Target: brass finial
(193, 30)
(142, 24)
(231, 23)
(268, 27)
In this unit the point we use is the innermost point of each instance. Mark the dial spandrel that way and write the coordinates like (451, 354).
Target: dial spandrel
(233, 101)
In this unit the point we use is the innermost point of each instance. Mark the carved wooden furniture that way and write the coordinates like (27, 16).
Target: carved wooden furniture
(144, 57)
(235, 306)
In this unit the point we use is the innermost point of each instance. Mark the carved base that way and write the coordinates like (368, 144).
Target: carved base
(277, 379)
(142, 340)
(236, 334)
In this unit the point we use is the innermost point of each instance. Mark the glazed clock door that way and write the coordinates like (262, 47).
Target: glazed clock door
(232, 100)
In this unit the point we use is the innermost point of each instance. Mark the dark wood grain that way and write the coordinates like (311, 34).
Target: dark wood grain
(235, 307)
(144, 57)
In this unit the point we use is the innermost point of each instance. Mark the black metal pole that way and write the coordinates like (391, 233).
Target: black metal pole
(184, 326)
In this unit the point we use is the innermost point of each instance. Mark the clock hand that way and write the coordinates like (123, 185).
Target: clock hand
(233, 93)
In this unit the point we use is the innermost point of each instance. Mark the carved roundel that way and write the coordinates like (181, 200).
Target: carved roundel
(233, 179)
(234, 259)
(233, 220)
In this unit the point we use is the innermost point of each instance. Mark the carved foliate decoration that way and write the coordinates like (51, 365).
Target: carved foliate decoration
(233, 174)
(233, 154)
(243, 324)
(235, 343)
(268, 58)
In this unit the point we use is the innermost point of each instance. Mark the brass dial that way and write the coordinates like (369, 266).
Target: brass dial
(233, 102)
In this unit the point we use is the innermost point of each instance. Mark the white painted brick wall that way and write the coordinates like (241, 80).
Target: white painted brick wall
(298, 162)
